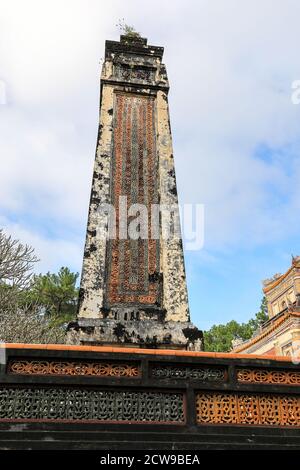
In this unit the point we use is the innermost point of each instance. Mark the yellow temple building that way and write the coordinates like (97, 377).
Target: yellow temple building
(280, 334)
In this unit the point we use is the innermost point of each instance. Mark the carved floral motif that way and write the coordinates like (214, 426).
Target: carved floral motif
(268, 376)
(101, 369)
(205, 374)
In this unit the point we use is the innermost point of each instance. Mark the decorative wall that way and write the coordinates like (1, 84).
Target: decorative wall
(118, 398)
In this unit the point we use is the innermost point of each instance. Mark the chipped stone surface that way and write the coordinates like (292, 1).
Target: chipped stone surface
(145, 333)
(175, 289)
(134, 141)
(93, 274)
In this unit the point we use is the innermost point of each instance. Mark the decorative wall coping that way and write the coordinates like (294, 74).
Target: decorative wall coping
(139, 351)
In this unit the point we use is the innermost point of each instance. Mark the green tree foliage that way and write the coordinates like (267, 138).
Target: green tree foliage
(219, 338)
(56, 293)
(261, 316)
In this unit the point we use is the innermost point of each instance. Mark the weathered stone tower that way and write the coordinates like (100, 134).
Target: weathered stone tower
(133, 291)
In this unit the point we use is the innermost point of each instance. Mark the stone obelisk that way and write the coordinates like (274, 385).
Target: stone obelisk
(133, 289)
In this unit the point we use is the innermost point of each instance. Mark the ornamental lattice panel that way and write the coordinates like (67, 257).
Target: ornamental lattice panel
(251, 409)
(79, 404)
(267, 376)
(133, 264)
(86, 368)
(204, 374)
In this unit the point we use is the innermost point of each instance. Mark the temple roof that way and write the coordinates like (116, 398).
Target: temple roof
(274, 281)
(274, 323)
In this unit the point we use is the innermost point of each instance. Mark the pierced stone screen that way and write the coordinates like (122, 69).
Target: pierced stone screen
(84, 404)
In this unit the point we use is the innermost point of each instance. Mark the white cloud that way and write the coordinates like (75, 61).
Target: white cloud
(52, 253)
(231, 65)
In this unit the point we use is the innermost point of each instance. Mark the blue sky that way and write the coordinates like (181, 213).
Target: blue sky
(236, 133)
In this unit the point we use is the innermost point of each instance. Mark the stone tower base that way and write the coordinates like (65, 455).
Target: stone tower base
(135, 333)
